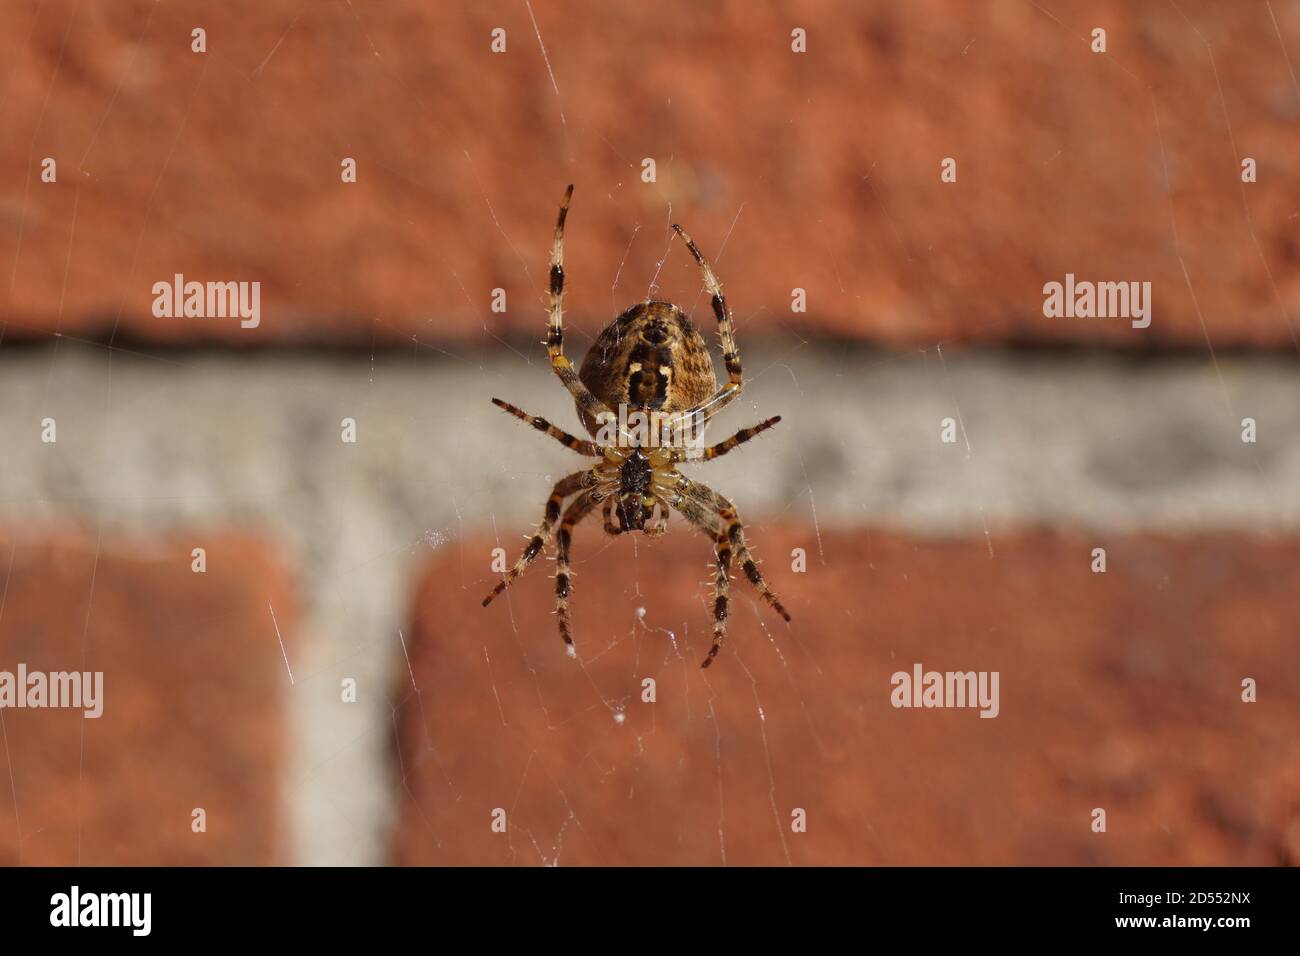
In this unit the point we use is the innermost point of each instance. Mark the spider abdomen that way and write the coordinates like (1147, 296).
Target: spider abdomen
(651, 358)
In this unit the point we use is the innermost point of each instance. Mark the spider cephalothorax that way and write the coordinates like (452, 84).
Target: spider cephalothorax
(645, 392)
(635, 502)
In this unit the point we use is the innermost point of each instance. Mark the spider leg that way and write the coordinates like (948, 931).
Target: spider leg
(721, 583)
(730, 391)
(755, 577)
(588, 402)
(708, 524)
(563, 488)
(716, 517)
(735, 530)
(580, 507)
(721, 448)
(542, 425)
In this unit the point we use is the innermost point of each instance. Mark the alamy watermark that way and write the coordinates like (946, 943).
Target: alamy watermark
(1101, 300)
(647, 428)
(75, 908)
(82, 690)
(922, 688)
(208, 300)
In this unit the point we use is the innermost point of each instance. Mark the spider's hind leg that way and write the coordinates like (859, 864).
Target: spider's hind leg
(563, 368)
(730, 390)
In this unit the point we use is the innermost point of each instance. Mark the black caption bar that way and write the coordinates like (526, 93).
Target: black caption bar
(334, 905)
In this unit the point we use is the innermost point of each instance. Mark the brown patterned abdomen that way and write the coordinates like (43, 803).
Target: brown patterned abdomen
(650, 358)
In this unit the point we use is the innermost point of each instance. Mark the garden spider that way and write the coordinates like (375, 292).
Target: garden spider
(649, 364)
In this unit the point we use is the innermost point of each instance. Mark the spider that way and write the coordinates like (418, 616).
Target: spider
(652, 363)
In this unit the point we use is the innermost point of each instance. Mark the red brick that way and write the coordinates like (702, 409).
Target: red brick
(194, 686)
(225, 166)
(1118, 690)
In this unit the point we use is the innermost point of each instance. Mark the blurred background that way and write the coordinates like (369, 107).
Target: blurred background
(273, 538)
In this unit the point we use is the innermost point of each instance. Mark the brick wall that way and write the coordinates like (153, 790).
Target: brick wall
(327, 688)
(819, 171)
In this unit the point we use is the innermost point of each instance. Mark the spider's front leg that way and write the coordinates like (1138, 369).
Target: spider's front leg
(582, 506)
(715, 516)
(721, 583)
(730, 524)
(563, 488)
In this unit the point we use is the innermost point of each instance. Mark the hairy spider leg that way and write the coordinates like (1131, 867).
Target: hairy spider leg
(716, 517)
(563, 488)
(578, 509)
(730, 390)
(581, 446)
(555, 335)
(722, 447)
